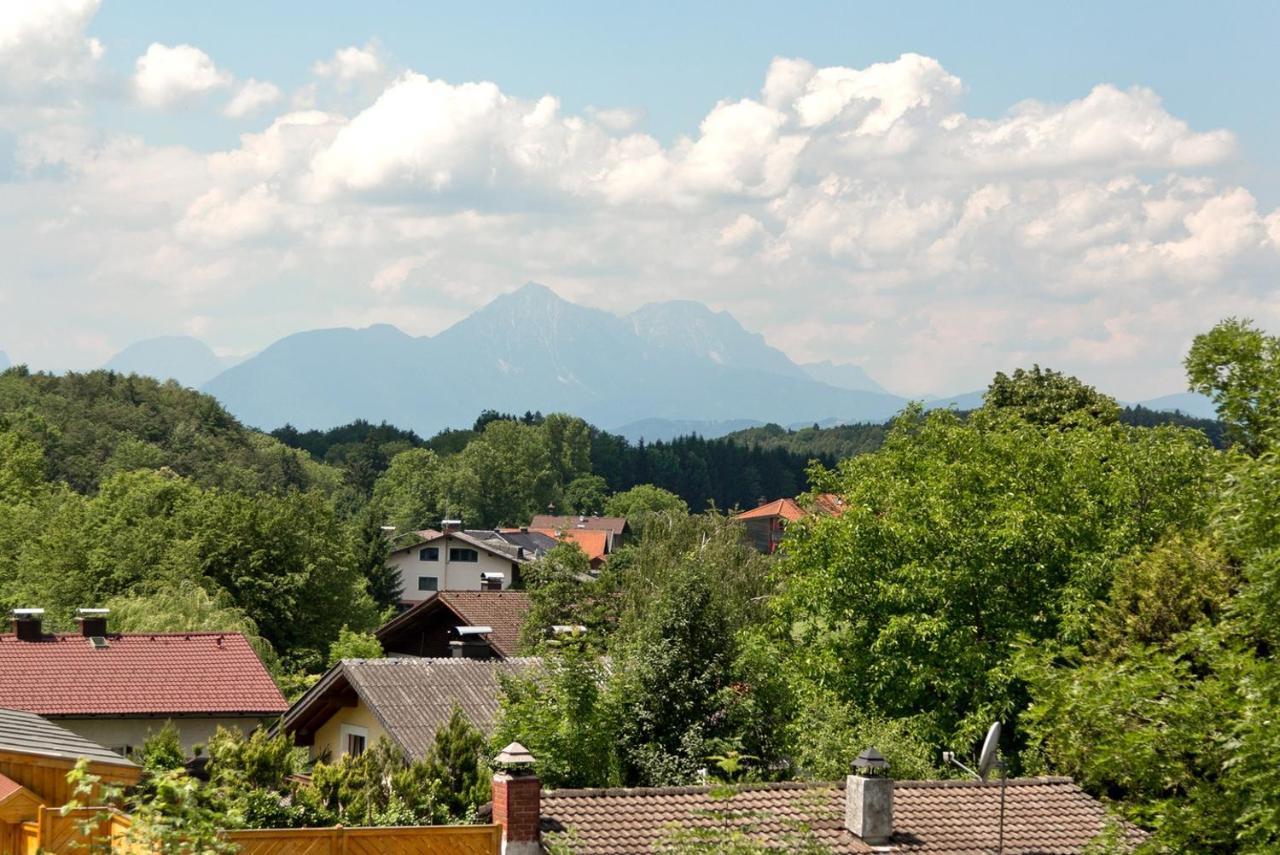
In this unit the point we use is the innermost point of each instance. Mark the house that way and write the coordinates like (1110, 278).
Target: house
(35, 757)
(428, 628)
(765, 524)
(1042, 816)
(616, 526)
(458, 560)
(359, 701)
(114, 688)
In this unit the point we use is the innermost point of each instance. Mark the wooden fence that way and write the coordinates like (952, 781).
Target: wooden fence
(96, 830)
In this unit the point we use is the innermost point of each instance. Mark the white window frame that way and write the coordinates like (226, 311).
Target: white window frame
(348, 730)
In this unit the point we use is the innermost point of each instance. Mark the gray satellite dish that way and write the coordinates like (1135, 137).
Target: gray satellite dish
(987, 758)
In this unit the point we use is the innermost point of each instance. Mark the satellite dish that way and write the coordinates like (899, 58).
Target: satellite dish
(987, 758)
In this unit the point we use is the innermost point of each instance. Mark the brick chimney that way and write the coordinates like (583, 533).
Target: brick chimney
(27, 624)
(92, 621)
(517, 801)
(868, 799)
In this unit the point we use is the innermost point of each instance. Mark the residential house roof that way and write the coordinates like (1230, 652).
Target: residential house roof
(594, 542)
(1043, 816)
(411, 698)
(503, 610)
(616, 525)
(827, 504)
(490, 541)
(138, 674)
(23, 732)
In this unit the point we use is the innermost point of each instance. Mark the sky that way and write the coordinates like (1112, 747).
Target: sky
(934, 191)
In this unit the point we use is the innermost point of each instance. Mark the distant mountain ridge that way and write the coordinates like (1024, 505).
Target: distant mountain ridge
(172, 357)
(531, 350)
(664, 370)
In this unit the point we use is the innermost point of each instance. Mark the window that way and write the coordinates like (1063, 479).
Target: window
(429, 553)
(463, 555)
(354, 739)
(428, 583)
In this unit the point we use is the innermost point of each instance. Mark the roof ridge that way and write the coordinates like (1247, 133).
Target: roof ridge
(438, 660)
(700, 789)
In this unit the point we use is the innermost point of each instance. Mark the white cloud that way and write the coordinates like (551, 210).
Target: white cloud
(251, 97)
(44, 48)
(853, 214)
(167, 76)
(352, 63)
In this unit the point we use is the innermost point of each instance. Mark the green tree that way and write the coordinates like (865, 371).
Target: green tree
(354, 645)
(370, 546)
(457, 761)
(585, 494)
(642, 502)
(959, 537)
(1046, 397)
(1238, 366)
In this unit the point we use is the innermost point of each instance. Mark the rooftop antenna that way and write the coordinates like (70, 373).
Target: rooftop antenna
(988, 759)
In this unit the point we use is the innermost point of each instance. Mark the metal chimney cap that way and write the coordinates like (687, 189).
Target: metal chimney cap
(93, 612)
(28, 612)
(871, 760)
(514, 754)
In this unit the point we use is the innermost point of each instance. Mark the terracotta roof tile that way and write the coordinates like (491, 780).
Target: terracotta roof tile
(617, 525)
(594, 542)
(785, 508)
(503, 610)
(137, 674)
(1044, 816)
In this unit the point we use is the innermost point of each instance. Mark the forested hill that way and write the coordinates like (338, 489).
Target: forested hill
(843, 441)
(701, 471)
(95, 424)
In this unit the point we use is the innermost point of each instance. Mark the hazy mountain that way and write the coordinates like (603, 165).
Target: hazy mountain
(842, 375)
(662, 430)
(963, 401)
(171, 357)
(532, 350)
(689, 328)
(1189, 403)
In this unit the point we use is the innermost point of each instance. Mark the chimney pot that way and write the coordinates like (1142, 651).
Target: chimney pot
(93, 622)
(868, 801)
(27, 624)
(517, 802)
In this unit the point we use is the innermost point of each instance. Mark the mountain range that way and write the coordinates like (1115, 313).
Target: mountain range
(664, 370)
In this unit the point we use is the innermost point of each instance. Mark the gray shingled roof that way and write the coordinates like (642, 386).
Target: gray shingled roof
(414, 697)
(28, 733)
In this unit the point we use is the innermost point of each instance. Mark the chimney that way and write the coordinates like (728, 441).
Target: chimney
(868, 799)
(27, 624)
(92, 621)
(471, 643)
(517, 801)
(450, 526)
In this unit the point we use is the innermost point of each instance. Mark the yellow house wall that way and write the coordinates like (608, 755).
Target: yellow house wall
(329, 736)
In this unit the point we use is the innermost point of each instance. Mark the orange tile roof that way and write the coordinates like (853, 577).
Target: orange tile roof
(137, 674)
(785, 508)
(1046, 816)
(594, 542)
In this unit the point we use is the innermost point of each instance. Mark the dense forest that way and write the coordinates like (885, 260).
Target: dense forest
(1104, 582)
(724, 473)
(841, 441)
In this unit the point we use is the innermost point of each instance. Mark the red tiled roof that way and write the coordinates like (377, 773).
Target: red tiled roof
(8, 787)
(594, 542)
(785, 508)
(1044, 816)
(137, 674)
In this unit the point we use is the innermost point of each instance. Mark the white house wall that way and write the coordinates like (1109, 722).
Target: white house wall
(450, 575)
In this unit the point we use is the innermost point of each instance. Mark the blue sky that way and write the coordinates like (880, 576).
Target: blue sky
(1213, 64)
(934, 191)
